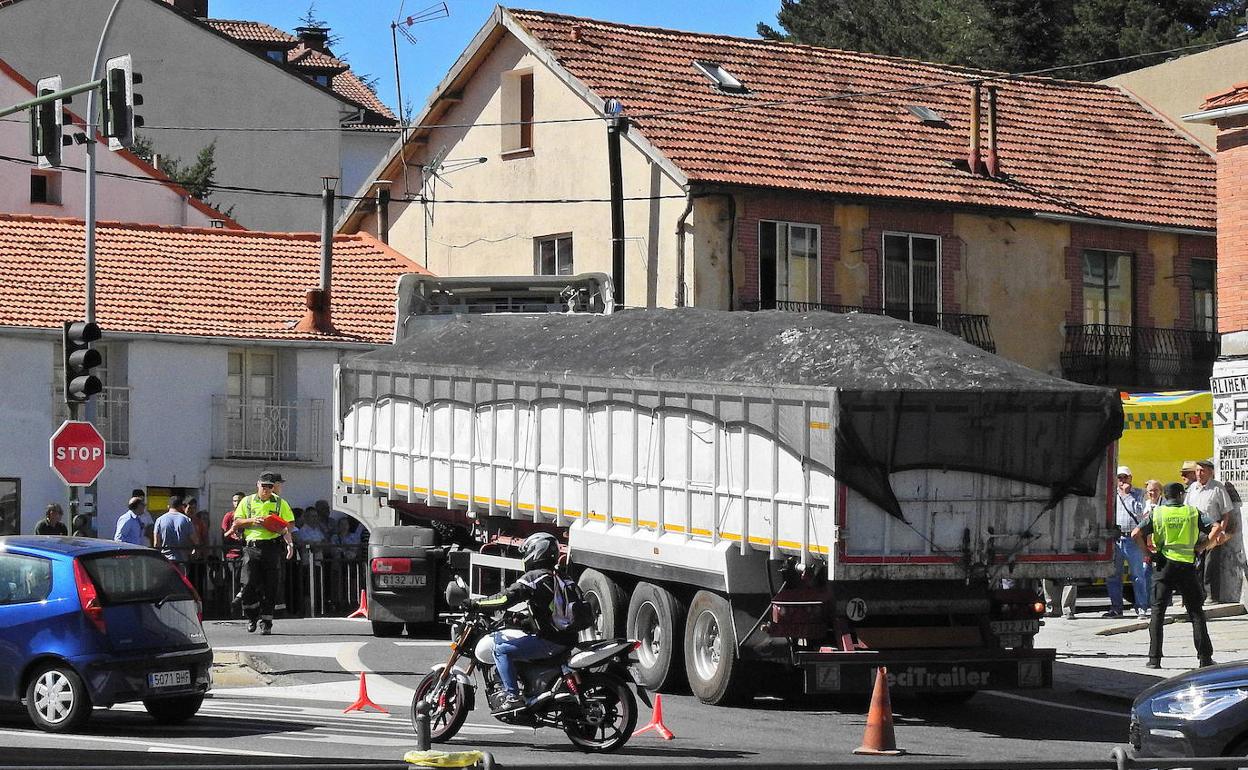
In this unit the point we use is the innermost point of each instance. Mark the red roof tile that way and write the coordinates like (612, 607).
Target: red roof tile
(252, 31)
(190, 281)
(1232, 97)
(1071, 148)
(310, 58)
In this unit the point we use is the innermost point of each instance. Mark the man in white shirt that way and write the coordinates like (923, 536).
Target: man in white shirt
(1129, 507)
(1209, 496)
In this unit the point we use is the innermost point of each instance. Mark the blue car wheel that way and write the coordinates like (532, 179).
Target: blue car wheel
(57, 700)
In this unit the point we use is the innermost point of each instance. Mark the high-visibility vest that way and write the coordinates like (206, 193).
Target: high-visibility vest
(252, 507)
(1176, 529)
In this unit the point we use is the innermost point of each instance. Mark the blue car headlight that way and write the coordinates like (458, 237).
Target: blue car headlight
(1196, 703)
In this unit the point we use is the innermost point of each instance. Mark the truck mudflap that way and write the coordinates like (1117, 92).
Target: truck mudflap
(927, 671)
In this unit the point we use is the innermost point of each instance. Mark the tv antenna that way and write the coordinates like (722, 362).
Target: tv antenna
(432, 172)
(402, 25)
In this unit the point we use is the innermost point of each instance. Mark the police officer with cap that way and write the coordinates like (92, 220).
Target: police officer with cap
(263, 521)
(1179, 532)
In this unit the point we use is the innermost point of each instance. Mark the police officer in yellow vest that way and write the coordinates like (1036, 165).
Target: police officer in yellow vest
(263, 521)
(1179, 531)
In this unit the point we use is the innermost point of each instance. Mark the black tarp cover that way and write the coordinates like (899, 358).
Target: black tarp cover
(908, 396)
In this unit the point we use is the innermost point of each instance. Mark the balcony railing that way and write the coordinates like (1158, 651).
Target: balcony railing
(259, 429)
(112, 416)
(974, 329)
(1139, 357)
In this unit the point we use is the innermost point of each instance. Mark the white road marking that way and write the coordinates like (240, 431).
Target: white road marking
(173, 748)
(382, 691)
(424, 643)
(1055, 704)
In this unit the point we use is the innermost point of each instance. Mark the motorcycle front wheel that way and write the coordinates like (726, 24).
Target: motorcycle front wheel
(449, 706)
(606, 719)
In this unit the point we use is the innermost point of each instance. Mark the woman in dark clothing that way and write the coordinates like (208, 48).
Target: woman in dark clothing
(51, 523)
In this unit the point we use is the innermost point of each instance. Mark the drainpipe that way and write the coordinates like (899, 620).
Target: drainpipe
(732, 243)
(972, 157)
(993, 166)
(327, 230)
(383, 211)
(680, 250)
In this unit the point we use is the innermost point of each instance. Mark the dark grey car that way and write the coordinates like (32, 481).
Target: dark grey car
(1203, 713)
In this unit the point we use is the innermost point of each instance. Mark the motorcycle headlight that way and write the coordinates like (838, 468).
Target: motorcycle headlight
(1196, 703)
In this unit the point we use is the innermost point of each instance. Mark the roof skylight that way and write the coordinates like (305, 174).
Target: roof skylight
(926, 115)
(722, 79)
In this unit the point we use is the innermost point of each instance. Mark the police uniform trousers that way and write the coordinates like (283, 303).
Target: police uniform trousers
(1185, 579)
(262, 564)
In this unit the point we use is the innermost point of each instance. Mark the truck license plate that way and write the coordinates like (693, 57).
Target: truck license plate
(400, 581)
(169, 679)
(1004, 627)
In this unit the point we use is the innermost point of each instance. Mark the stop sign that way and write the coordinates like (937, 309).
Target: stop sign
(77, 453)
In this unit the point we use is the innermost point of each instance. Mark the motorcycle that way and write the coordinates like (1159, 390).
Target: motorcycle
(584, 691)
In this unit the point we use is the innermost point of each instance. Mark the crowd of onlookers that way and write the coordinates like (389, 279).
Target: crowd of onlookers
(210, 553)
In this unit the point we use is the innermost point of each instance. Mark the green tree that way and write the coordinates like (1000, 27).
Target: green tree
(1010, 35)
(196, 178)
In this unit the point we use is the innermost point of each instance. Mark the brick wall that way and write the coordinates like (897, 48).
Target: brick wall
(798, 209)
(1232, 290)
(1144, 269)
(887, 219)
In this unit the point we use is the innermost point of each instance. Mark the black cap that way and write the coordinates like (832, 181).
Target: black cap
(1205, 464)
(269, 477)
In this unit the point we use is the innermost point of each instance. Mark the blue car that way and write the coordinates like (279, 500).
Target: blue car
(87, 623)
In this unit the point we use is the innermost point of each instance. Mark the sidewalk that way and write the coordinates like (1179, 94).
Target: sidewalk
(1106, 656)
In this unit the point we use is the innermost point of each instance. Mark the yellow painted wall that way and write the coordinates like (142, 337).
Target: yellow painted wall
(569, 160)
(853, 281)
(1014, 271)
(1164, 293)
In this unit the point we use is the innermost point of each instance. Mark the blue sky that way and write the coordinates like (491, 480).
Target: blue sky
(364, 26)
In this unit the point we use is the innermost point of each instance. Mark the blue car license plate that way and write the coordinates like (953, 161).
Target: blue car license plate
(169, 679)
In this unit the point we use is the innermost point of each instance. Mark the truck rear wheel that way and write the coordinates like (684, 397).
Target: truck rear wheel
(717, 675)
(657, 619)
(608, 601)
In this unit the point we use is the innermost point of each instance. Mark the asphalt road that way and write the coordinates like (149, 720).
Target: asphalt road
(295, 715)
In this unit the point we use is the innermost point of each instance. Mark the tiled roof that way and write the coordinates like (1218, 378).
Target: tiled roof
(308, 60)
(1070, 148)
(1232, 97)
(252, 31)
(190, 281)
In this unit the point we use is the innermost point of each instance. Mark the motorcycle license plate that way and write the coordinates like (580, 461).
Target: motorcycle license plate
(400, 581)
(169, 679)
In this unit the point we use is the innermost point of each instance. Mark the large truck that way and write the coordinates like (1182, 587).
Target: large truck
(767, 501)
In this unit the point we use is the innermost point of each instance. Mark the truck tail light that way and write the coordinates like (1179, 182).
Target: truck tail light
(391, 566)
(89, 597)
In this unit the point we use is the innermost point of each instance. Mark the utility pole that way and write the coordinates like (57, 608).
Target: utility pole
(617, 126)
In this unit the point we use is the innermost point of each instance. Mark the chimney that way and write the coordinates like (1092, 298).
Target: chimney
(993, 164)
(972, 157)
(313, 37)
(316, 318)
(383, 210)
(196, 8)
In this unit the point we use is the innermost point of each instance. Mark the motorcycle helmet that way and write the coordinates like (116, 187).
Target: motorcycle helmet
(539, 551)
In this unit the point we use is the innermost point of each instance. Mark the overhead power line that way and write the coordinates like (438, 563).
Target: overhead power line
(975, 77)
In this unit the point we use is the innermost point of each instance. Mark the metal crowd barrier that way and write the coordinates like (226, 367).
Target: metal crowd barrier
(322, 579)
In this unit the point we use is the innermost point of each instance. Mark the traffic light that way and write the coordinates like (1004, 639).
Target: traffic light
(45, 124)
(119, 102)
(80, 359)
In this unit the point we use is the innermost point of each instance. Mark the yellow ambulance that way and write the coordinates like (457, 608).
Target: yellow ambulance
(1164, 429)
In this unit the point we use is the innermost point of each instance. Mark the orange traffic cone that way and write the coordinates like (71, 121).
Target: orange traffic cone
(362, 610)
(656, 721)
(878, 738)
(363, 700)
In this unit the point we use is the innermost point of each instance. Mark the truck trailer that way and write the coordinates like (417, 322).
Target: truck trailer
(767, 501)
